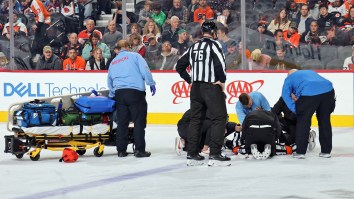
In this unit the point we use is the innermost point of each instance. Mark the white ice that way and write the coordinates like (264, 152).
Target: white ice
(165, 175)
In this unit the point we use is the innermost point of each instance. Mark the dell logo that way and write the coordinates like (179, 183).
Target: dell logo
(21, 89)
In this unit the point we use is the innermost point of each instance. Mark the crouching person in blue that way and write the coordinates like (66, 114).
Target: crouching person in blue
(127, 75)
(311, 93)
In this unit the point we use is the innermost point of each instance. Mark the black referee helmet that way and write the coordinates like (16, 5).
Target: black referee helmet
(209, 27)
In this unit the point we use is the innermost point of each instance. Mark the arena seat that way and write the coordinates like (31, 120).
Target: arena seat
(336, 64)
(344, 52)
(313, 64)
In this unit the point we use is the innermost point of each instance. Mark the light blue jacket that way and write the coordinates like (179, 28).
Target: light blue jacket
(258, 101)
(86, 52)
(128, 70)
(304, 83)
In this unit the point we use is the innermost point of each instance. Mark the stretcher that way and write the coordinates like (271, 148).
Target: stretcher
(33, 140)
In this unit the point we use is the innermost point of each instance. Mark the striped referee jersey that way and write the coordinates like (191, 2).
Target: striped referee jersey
(207, 62)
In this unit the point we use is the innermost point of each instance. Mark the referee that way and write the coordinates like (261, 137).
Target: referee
(207, 63)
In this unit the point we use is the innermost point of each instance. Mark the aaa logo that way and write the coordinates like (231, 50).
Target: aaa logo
(236, 88)
(180, 89)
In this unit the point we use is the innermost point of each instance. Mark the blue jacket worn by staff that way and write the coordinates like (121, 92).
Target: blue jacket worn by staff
(304, 83)
(129, 70)
(258, 101)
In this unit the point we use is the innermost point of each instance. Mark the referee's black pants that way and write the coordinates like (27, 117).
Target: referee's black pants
(131, 105)
(306, 106)
(207, 96)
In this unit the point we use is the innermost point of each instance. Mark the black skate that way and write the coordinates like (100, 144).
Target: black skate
(195, 160)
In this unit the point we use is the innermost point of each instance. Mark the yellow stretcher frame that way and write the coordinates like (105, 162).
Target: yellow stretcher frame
(33, 144)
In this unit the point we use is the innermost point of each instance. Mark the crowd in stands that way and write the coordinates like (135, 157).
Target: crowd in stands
(281, 34)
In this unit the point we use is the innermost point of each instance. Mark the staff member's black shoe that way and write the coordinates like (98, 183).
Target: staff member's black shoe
(142, 154)
(122, 154)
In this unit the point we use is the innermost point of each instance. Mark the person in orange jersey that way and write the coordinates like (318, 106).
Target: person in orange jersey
(74, 62)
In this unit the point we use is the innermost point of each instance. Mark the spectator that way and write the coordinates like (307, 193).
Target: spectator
(278, 41)
(67, 8)
(117, 16)
(218, 5)
(337, 37)
(151, 28)
(158, 16)
(349, 62)
(104, 7)
(348, 23)
(191, 8)
(134, 29)
(73, 43)
(204, 12)
(280, 22)
(73, 62)
(182, 44)
(94, 42)
(179, 11)
(292, 35)
(19, 28)
(18, 8)
(259, 38)
(3, 61)
(48, 60)
(231, 56)
(166, 5)
(4, 9)
(153, 51)
(325, 18)
(167, 60)
(137, 44)
(223, 38)
(304, 20)
(282, 61)
(98, 62)
(86, 10)
(43, 21)
(112, 36)
(171, 34)
(240, 50)
(339, 6)
(85, 34)
(314, 32)
(259, 61)
(262, 29)
(52, 6)
(145, 13)
(314, 9)
(225, 18)
(292, 10)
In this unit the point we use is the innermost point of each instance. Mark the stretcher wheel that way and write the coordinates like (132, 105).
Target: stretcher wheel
(19, 156)
(95, 152)
(81, 152)
(35, 158)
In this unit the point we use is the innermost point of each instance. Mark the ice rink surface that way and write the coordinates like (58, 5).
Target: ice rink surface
(165, 175)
